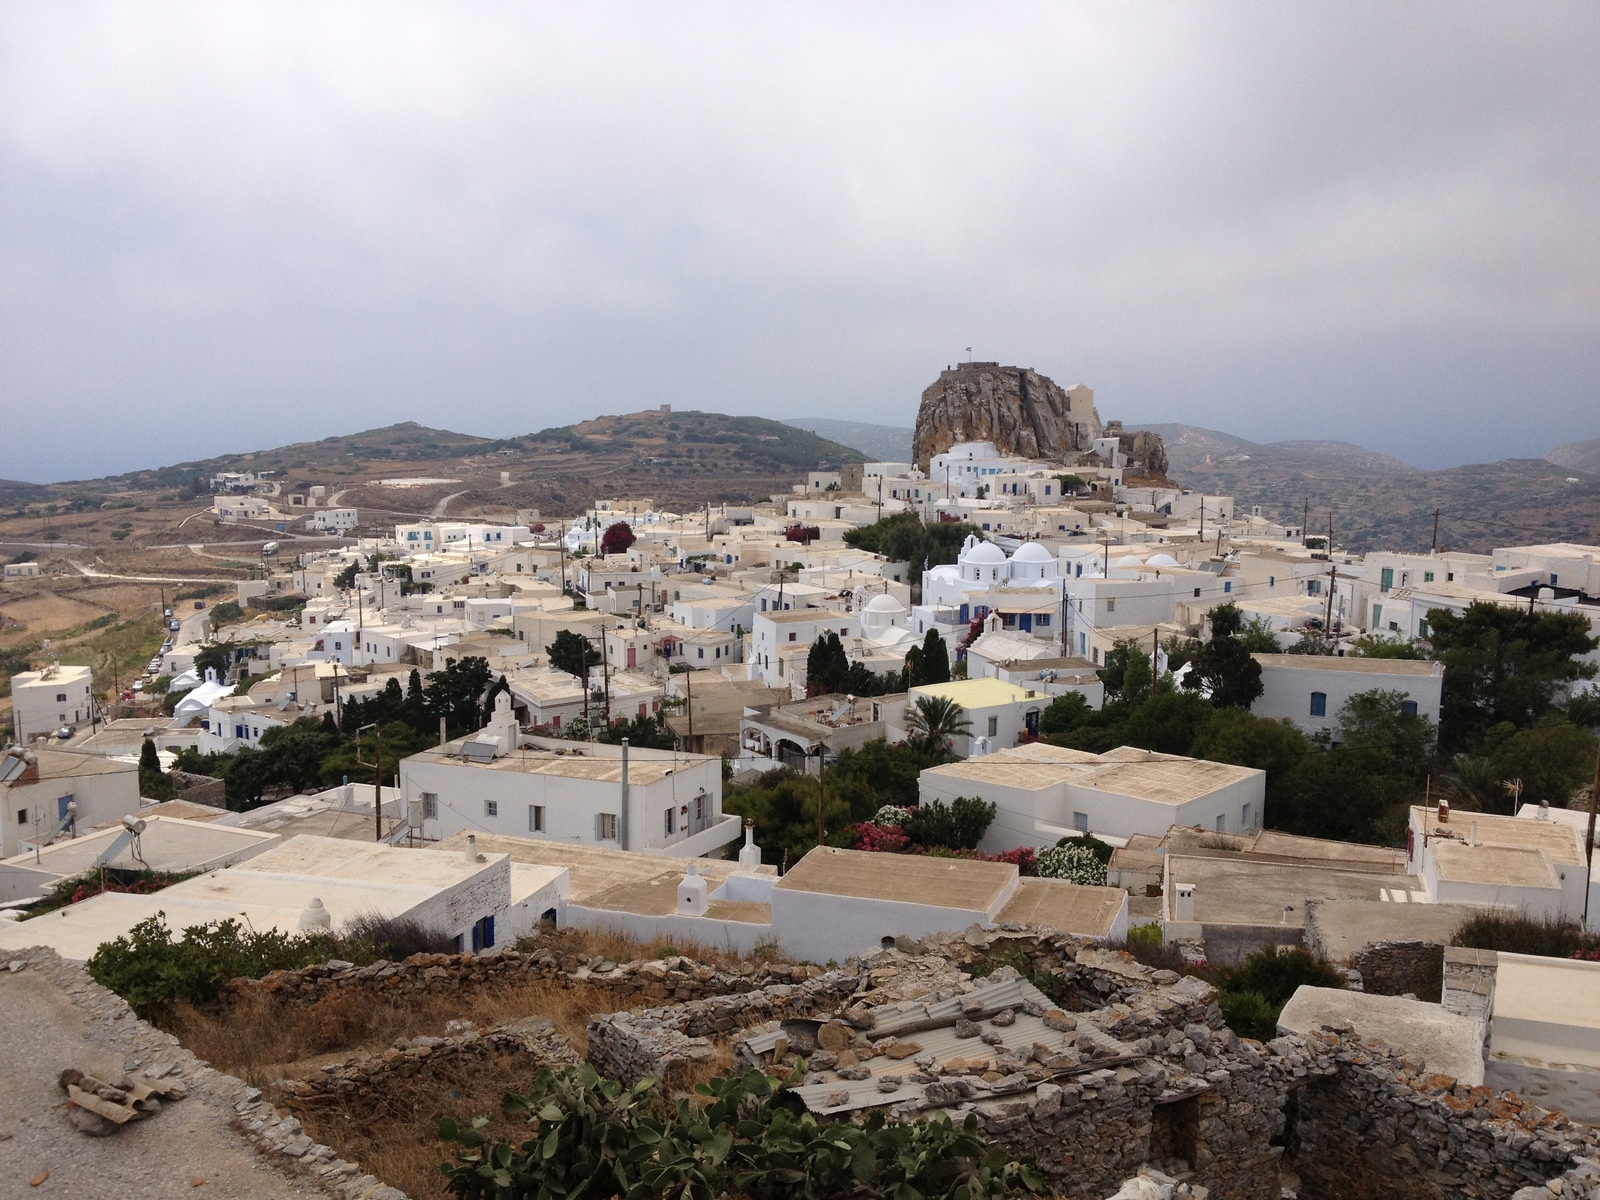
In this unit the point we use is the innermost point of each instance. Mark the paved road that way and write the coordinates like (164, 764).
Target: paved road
(96, 573)
(439, 508)
(157, 1159)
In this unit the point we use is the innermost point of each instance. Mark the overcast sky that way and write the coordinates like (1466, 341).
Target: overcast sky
(228, 226)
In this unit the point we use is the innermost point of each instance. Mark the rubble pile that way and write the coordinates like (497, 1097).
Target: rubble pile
(100, 1107)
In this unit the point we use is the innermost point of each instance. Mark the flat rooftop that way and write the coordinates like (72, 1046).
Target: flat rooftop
(596, 871)
(1496, 866)
(1546, 1010)
(576, 764)
(912, 878)
(1241, 889)
(167, 844)
(979, 693)
(1354, 666)
(1126, 771)
(1068, 907)
(1563, 841)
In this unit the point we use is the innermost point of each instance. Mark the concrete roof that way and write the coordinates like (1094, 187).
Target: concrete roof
(1241, 889)
(1449, 1044)
(167, 844)
(576, 764)
(912, 878)
(270, 891)
(596, 871)
(184, 810)
(1069, 907)
(1125, 771)
(1505, 866)
(1359, 666)
(65, 764)
(1336, 929)
(1547, 1010)
(978, 693)
(1563, 841)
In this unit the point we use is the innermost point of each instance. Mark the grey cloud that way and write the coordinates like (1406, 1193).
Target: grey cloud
(227, 226)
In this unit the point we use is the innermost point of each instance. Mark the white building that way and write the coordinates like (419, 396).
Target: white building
(1312, 689)
(777, 636)
(1043, 793)
(333, 520)
(44, 701)
(22, 570)
(309, 883)
(1000, 713)
(38, 786)
(240, 508)
(655, 801)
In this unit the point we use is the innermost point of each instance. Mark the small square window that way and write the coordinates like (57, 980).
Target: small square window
(1080, 822)
(491, 808)
(22, 816)
(608, 827)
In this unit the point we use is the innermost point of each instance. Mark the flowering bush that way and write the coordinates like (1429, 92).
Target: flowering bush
(891, 814)
(1073, 862)
(885, 839)
(1023, 858)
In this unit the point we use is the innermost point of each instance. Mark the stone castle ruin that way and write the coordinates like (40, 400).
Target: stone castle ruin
(1023, 413)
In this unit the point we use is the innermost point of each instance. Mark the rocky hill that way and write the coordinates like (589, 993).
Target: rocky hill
(880, 443)
(1577, 456)
(1021, 411)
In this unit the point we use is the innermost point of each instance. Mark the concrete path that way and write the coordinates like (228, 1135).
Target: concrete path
(187, 1149)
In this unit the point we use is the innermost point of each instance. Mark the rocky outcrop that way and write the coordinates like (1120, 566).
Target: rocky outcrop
(1145, 450)
(1021, 411)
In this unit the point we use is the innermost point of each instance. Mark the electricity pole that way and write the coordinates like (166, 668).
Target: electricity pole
(1333, 577)
(377, 776)
(1588, 843)
(1435, 531)
(822, 795)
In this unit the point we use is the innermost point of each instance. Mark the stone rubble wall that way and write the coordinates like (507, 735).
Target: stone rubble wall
(661, 1042)
(1401, 968)
(359, 1083)
(652, 980)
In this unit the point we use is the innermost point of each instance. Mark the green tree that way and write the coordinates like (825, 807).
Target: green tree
(1065, 713)
(1232, 735)
(573, 653)
(1504, 664)
(1127, 673)
(1374, 646)
(1167, 723)
(783, 806)
(649, 732)
(959, 825)
(935, 659)
(1259, 637)
(1551, 760)
(827, 666)
(935, 722)
(1223, 666)
(1377, 721)
(153, 781)
(877, 773)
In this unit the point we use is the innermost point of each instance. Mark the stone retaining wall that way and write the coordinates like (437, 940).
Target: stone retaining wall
(357, 1086)
(662, 1042)
(1401, 968)
(652, 980)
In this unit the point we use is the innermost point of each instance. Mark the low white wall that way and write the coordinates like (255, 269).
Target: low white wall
(824, 928)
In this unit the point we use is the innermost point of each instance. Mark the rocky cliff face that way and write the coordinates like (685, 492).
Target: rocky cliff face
(1021, 411)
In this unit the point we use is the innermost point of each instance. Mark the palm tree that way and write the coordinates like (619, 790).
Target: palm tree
(935, 721)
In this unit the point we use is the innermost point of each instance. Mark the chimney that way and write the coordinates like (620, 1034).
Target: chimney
(692, 893)
(472, 848)
(749, 853)
(1444, 811)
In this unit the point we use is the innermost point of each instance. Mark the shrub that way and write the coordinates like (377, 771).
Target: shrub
(1517, 934)
(594, 1136)
(154, 972)
(1275, 972)
(1073, 861)
(892, 814)
(1249, 1015)
(228, 610)
(960, 825)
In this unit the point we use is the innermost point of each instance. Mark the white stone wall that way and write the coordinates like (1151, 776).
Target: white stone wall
(1286, 693)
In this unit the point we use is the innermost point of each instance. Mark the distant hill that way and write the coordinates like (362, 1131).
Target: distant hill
(880, 443)
(1191, 445)
(1577, 456)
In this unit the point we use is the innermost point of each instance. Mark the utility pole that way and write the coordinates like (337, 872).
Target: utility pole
(377, 776)
(1202, 516)
(1305, 522)
(1435, 531)
(822, 795)
(1333, 576)
(1588, 844)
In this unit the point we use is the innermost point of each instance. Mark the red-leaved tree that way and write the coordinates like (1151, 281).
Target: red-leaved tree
(617, 538)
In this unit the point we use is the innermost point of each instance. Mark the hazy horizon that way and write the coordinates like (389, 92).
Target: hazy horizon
(232, 228)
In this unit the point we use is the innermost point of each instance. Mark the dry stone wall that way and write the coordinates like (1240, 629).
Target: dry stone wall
(1401, 968)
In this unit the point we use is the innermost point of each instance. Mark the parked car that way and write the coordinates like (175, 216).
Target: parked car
(199, 603)
(172, 625)
(169, 612)
(65, 732)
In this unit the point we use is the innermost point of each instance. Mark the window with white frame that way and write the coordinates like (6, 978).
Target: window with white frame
(430, 806)
(491, 808)
(606, 827)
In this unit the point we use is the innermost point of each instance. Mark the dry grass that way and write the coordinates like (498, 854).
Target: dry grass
(259, 1040)
(393, 1136)
(620, 948)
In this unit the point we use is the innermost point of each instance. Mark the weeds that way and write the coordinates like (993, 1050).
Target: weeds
(1517, 934)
